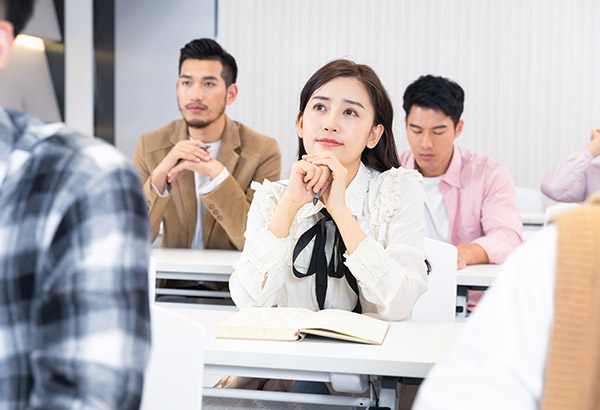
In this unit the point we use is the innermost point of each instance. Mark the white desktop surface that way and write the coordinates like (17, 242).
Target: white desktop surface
(529, 231)
(533, 218)
(212, 264)
(477, 275)
(200, 265)
(410, 349)
(195, 260)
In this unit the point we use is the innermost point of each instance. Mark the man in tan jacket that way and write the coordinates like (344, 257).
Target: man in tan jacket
(197, 171)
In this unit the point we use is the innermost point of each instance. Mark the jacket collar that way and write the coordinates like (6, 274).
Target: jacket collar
(180, 132)
(452, 175)
(230, 145)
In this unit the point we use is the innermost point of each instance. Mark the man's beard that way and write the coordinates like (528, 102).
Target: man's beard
(198, 124)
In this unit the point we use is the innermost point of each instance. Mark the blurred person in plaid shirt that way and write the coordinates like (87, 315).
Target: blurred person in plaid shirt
(74, 238)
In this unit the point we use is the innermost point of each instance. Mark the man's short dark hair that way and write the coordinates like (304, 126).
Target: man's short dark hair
(17, 12)
(208, 49)
(437, 93)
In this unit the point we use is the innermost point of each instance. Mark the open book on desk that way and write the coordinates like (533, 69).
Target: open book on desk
(294, 323)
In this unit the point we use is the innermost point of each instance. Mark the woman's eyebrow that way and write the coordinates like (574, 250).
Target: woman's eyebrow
(319, 97)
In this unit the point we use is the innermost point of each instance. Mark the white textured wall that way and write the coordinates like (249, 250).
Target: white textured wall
(530, 68)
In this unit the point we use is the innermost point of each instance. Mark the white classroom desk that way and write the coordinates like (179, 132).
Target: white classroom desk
(533, 218)
(477, 275)
(194, 264)
(532, 222)
(409, 350)
(217, 265)
(207, 265)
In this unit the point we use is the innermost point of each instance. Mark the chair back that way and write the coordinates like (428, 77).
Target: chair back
(556, 209)
(530, 200)
(173, 378)
(438, 304)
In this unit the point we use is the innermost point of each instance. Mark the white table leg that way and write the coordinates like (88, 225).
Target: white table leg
(388, 392)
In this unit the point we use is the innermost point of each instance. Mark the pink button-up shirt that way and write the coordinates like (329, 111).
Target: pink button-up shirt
(479, 195)
(574, 179)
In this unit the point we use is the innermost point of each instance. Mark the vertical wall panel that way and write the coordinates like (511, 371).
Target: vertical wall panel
(529, 67)
(79, 65)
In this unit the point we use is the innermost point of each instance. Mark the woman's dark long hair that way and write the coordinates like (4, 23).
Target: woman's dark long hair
(384, 155)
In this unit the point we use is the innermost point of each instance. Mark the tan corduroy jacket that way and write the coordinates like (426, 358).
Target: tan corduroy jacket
(572, 378)
(247, 155)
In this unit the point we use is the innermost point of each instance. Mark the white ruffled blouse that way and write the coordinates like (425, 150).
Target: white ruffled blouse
(388, 264)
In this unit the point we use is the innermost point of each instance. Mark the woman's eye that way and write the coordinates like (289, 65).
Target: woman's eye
(319, 107)
(350, 112)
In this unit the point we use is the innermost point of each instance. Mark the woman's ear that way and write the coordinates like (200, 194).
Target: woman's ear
(375, 136)
(299, 124)
(6, 39)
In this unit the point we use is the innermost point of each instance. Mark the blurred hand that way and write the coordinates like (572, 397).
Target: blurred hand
(461, 259)
(593, 146)
(470, 254)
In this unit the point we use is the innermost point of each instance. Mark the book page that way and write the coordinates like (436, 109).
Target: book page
(358, 327)
(264, 323)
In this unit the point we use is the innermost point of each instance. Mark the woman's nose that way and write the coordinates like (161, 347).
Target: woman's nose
(331, 125)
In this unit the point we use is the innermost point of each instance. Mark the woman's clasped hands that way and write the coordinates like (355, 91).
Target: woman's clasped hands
(319, 172)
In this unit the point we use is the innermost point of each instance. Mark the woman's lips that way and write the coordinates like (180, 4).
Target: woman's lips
(328, 142)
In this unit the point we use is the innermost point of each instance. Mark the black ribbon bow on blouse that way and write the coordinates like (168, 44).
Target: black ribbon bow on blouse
(318, 261)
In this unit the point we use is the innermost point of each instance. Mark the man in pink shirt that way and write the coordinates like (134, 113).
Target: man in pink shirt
(470, 198)
(577, 177)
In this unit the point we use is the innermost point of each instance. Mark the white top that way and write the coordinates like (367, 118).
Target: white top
(497, 361)
(388, 265)
(205, 186)
(437, 222)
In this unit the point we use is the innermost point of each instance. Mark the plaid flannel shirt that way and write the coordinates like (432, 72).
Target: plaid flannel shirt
(74, 314)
